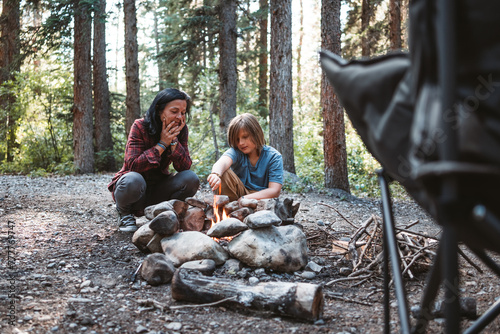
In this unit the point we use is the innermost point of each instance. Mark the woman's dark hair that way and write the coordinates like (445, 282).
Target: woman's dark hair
(152, 117)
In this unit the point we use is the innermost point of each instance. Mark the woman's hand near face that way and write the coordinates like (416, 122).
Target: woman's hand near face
(169, 132)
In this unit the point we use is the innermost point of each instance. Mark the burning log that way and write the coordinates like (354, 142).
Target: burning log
(301, 300)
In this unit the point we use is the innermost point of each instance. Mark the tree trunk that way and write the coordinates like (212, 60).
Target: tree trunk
(299, 300)
(161, 76)
(82, 90)
(264, 8)
(395, 24)
(334, 145)
(131, 64)
(102, 103)
(299, 55)
(10, 63)
(228, 75)
(365, 25)
(281, 85)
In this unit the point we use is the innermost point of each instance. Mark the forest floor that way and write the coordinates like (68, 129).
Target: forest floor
(72, 268)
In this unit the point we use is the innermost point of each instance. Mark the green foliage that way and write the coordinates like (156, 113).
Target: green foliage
(361, 166)
(44, 135)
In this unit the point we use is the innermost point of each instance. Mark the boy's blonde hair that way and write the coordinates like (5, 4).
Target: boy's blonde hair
(250, 124)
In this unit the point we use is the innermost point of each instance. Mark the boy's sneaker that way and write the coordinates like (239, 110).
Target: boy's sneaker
(127, 223)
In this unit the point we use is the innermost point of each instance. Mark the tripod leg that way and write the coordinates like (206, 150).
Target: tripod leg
(390, 243)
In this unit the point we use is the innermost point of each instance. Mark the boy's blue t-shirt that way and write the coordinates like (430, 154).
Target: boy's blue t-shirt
(269, 168)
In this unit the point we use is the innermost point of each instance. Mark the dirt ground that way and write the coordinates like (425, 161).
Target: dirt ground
(70, 269)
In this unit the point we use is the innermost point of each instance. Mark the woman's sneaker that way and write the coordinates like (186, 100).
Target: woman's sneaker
(127, 223)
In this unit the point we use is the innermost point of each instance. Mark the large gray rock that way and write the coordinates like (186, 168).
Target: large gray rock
(191, 246)
(282, 248)
(261, 219)
(157, 269)
(227, 228)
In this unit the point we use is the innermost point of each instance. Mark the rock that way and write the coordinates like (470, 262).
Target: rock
(220, 200)
(174, 326)
(248, 203)
(308, 275)
(313, 266)
(266, 204)
(180, 207)
(143, 236)
(282, 248)
(345, 271)
(165, 223)
(206, 266)
(286, 210)
(253, 280)
(157, 269)
(241, 213)
(194, 220)
(190, 246)
(231, 206)
(196, 203)
(227, 228)
(261, 219)
(232, 266)
(141, 329)
(148, 212)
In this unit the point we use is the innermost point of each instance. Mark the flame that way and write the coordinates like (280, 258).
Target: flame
(218, 218)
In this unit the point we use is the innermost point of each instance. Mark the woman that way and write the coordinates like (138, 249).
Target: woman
(249, 169)
(154, 142)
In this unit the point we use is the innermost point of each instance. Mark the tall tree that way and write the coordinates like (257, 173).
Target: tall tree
(299, 55)
(395, 24)
(102, 103)
(228, 76)
(133, 101)
(366, 11)
(263, 54)
(10, 63)
(82, 89)
(334, 145)
(281, 85)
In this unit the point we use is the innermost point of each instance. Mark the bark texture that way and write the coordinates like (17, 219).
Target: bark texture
(102, 104)
(82, 90)
(10, 63)
(281, 85)
(334, 145)
(395, 24)
(263, 54)
(228, 75)
(300, 300)
(131, 64)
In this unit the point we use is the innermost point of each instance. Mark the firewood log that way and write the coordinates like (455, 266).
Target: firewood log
(301, 300)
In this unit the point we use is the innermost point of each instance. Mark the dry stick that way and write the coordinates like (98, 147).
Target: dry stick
(405, 265)
(469, 260)
(411, 224)
(352, 244)
(339, 246)
(347, 299)
(348, 279)
(368, 244)
(417, 255)
(204, 305)
(331, 207)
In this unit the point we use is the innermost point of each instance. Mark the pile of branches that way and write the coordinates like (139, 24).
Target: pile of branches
(365, 250)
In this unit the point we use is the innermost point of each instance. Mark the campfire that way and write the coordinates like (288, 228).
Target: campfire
(190, 238)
